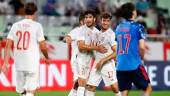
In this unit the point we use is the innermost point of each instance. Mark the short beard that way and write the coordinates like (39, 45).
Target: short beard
(104, 29)
(90, 25)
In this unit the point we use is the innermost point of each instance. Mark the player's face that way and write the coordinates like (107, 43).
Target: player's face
(105, 23)
(134, 14)
(89, 20)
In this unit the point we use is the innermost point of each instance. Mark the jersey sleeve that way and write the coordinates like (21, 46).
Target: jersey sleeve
(141, 33)
(11, 33)
(73, 34)
(112, 39)
(40, 34)
(81, 35)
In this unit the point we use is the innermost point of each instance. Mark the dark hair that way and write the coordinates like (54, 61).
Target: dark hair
(30, 8)
(127, 10)
(81, 16)
(89, 11)
(106, 15)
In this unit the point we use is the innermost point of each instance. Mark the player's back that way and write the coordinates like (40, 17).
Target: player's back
(128, 34)
(26, 35)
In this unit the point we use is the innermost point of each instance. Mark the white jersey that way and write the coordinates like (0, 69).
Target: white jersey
(84, 58)
(108, 71)
(106, 39)
(88, 35)
(74, 34)
(26, 35)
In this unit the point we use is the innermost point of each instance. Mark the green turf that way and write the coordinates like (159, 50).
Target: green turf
(99, 93)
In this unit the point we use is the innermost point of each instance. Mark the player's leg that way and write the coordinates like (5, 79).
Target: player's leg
(148, 91)
(124, 82)
(82, 81)
(83, 73)
(81, 88)
(93, 81)
(90, 90)
(115, 89)
(20, 82)
(124, 93)
(73, 91)
(31, 83)
(108, 74)
(141, 80)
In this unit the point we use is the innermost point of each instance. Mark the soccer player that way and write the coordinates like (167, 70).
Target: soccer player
(104, 65)
(28, 38)
(87, 32)
(130, 37)
(71, 38)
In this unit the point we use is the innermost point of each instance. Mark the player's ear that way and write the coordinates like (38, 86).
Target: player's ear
(94, 19)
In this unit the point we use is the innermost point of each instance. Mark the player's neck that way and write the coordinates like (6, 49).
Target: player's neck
(91, 27)
(104, 30)
(29, 17)
(133, 18)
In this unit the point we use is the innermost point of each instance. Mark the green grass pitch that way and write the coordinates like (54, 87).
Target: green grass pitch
(99, 93)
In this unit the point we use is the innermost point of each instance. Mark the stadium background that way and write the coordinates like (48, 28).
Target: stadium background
(58, 17)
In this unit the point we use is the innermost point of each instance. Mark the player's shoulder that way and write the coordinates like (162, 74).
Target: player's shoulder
(76, 28)
(137, 24)
(96, 30)
(110, 32)
(17, 23)
(82, 27)
(36, 23)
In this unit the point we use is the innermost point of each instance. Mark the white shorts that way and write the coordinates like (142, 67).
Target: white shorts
(26, 81)
(107, 73)
(83, 66)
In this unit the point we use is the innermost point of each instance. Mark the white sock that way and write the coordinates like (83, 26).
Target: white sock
(29, 94)
(89, 93)
(118, 94)
(73, 92)
(80, 91)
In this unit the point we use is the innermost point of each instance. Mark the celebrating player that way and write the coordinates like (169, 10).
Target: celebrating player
(130, 53)
(104, 65)
(87, 33)
(71, 38)
(28, 38)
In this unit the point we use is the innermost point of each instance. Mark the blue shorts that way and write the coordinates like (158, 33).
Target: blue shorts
(138, 77)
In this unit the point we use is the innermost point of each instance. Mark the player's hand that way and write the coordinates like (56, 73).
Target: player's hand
(47, 61)
(5, 68)
(99, 65)
(67, 39)
(102, 49)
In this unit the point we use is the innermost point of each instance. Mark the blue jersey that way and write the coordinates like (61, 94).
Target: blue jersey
(128, 34)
